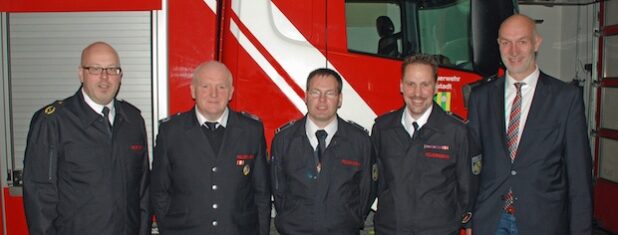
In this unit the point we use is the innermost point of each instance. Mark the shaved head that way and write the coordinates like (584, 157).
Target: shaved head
(519, 42)
(212, 89)
(98, 48)
(212, 67)
(100, 86)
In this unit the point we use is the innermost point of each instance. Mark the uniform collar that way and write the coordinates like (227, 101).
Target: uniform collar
(222, 120)
(97, 107)
(407, 119)
(311, 128)
(529, 81)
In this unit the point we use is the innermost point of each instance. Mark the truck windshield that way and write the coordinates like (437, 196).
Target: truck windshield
(395, 29)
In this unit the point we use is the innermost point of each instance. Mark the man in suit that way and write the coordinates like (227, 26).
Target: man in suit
(322, 166)
(210, 174)
(427, 182)
(86, 162)
(536, 176)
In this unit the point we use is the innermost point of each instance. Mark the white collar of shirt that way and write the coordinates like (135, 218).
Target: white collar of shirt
(527, 94)
(407, 119)
(99, 108)
(311, 128)
(222, 120)
(529, 82)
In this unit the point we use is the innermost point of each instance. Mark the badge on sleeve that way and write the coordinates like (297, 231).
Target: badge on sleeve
(477, 164)
(374, 172)
(246, 170)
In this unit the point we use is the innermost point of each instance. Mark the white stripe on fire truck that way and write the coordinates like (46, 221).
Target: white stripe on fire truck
(212, 4)
(298, 102)
(284, 42)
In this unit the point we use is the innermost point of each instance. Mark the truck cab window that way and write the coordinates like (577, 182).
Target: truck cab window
(445, 32)
(395, 29)
(374, 27)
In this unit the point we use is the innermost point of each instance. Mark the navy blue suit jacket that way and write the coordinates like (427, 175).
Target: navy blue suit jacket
(551, 175)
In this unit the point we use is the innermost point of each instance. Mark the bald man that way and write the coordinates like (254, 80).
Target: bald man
(536, 168)
(86, 162)
(210, 174)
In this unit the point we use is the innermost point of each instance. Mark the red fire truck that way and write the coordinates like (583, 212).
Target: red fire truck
(270, 47)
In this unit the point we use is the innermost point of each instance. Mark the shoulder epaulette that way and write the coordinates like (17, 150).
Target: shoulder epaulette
(51, 109)
(285, 126)
(168, 118)
(129, 104)
(357, 126)
(249, 115)
(456, 117)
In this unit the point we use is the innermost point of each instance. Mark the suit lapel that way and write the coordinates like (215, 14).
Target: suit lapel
(496, 100)
(194, 134)
(535, 115)
(434, 123)
(232, 132)
(397, 129)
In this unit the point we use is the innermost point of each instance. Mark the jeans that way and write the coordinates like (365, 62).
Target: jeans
(507, 225)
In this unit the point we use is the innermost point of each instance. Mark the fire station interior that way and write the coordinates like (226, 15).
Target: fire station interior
(40, 53)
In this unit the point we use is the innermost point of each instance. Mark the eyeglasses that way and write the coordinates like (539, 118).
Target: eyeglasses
(315, 94)
(113, 71)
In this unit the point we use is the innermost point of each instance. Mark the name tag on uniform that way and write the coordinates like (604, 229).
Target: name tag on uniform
(240, 158)
(245, 157)
(137, 147)
(347, 162)
(436, 147)
(437, 155)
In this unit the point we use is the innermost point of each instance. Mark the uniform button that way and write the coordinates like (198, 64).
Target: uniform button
(513, 172)
(214, 169)
(214, 187)
(215, 206)
(214, 223)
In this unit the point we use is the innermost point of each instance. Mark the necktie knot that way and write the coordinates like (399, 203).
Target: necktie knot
(321, 135)
(415, 134)
(211, 125)
(105, 112)
(518, 86)
(108, 123)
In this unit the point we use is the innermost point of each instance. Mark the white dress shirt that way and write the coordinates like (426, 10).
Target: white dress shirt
(311, 128)
(407, 120)
(222, 120)
(99, 108)
(527, 93)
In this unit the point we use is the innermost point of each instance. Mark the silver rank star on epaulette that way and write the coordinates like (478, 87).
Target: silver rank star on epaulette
(285, 126)
(250, 115)
(358, 126)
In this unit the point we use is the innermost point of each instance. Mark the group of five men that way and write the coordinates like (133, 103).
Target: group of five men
(521, 165)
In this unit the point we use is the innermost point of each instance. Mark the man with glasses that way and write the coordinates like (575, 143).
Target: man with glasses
(322, 178)
(86, 161)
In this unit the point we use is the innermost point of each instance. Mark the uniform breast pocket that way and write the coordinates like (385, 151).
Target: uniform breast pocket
(84, 164)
